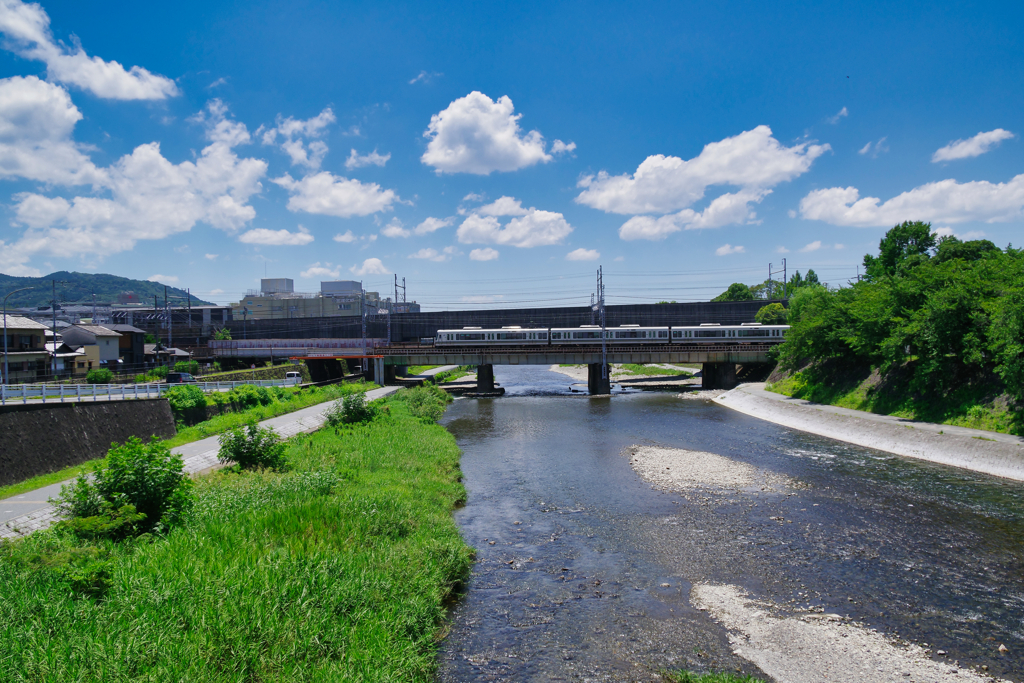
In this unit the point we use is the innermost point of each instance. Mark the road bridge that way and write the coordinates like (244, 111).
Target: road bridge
(718, 360)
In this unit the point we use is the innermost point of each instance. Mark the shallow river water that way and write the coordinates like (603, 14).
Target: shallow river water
(584, 570)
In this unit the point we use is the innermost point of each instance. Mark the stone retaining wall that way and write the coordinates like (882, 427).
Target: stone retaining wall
(41, 438)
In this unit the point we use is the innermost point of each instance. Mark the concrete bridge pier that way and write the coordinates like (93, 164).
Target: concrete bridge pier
(485, 378)
(597, 385)
(718, 376)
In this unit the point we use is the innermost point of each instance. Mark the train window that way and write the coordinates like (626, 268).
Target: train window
(469, 336)
(542, 335)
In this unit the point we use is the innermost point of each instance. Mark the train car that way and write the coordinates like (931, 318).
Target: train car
(744, 333)
(625, 334)
(505, 336)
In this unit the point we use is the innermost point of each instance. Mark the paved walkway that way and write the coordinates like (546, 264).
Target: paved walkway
(27, 512)
(974, 449)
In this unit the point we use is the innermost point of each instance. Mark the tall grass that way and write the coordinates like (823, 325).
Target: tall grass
(336, 570)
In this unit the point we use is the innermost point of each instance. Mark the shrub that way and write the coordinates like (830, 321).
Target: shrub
(223, 334)
(250, 396)
(159, 372)
(355, 409)
(189, 366)
(427, 402)
(253, 447)
(85, 570)
(146, 476)
(772, 314)
(99, 376)
(188, 403)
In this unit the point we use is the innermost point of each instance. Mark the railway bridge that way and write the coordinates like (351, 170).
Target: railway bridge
(718, 360)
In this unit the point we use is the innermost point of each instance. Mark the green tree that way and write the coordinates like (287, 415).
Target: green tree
(737, 292)
(950, 248)
(772, 314)
(904, 245)
(223, 334)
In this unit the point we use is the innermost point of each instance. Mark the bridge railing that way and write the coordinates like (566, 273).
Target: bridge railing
(95, 392)
(759, 347)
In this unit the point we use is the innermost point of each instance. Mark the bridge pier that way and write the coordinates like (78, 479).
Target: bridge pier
(718, 376)
(485, 378)
(596, 384)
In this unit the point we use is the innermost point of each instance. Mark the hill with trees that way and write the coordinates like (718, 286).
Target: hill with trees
(935, 331)
(79, 288)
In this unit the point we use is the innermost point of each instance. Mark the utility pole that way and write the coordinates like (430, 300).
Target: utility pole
(604, 341)
(53, 308)
(362, 311)
(245, 317)
(94, 308)
(170, 322)
(188, 297)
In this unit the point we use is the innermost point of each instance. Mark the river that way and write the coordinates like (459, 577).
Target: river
(584, 570)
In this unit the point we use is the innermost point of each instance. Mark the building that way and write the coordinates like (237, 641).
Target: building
(131, 345)
(27, 357)
(105, 340)
(69, 360)
(277, 299)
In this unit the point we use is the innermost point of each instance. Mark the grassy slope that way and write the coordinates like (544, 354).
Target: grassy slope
(973, 404)
(690, 677)
(216, 425)
(336, 571)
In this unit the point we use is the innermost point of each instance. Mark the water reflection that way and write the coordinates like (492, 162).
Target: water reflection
(583, 569)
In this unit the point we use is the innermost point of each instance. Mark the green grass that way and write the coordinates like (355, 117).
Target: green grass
(971, 404)
(336, 570)
(216, 425)
(640, 369)
(690, 677)
(417, 369)
(452, 375)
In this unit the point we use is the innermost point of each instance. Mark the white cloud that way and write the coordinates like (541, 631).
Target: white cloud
(395, 229)
(477, 135)
(317, 270)
(485, 254)
(425, 77)
(164, 279)
(299, 138)
(843, 113)
(482, 298)
(620, 258)
(813, 246)
(535, 228)
(435, 255)
(331, 195)
(211, 257)
(969, 235)
(945, 201)
(217, 83)
(582, 254)
(559, 147)
(473, 197)
(838, 246)
(371, 159)
(345, 237)
(149, 198)
(723, 210)
(781, 250)
(972, 147)
(27, 27)
(873, 149)
(753, 160)
(503, 206)
(37, 120)
(371, 266)
(215, 292)
(277, 238)
(791, 213)
(727, 249)
(431, 224)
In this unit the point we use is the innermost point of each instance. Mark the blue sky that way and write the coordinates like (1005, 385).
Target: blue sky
(496, 155)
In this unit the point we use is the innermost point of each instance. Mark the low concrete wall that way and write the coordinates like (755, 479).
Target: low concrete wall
(276, 372)
(1000, 455)
(36, 439)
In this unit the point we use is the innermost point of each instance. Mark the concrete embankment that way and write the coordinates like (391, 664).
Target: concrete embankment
(1000, 455)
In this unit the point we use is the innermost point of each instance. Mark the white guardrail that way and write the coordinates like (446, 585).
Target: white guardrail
(84, 392)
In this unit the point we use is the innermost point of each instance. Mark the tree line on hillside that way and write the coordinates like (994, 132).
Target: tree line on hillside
(78, 288)
(769, 289)
(943, 312)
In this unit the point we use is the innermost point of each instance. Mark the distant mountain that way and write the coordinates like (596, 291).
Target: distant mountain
(78, 288)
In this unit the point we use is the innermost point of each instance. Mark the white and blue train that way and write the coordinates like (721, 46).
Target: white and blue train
(706, 333)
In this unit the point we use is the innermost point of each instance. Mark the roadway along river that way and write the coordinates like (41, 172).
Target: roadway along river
(584, 570)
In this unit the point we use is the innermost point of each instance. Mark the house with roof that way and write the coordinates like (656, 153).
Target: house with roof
(131, 347)
(27, 358)
(104, 339)
(69, 360)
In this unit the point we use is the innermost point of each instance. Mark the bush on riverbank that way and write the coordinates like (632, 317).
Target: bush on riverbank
(336, 570)
(940, 321)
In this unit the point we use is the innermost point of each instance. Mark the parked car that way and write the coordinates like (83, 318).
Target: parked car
(181, 378)
(293, 377)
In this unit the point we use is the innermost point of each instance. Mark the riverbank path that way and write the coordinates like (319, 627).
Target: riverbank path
(24, 513)
(993, 453)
